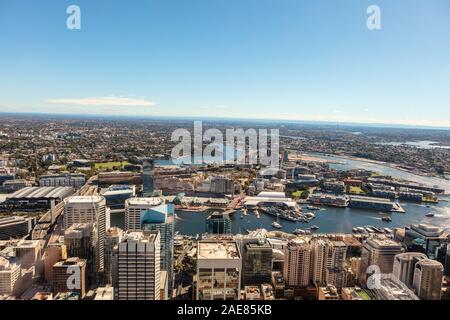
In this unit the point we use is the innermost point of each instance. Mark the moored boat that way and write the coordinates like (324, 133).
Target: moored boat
(299, 231)
(276, 225)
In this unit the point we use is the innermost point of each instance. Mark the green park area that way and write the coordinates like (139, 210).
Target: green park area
(300, 194)
(109, 165)
(356, 190)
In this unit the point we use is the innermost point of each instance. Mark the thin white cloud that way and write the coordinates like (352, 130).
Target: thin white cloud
(219, 106)
(104, 101)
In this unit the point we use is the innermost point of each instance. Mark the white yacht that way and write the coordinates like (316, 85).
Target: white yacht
(277, 225)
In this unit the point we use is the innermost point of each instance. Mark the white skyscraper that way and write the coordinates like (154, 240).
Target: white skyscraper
(154, 214)
(138, 271)
(135, 208)
(89, 209)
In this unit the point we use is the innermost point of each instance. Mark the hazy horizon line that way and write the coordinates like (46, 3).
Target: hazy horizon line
(94, 116)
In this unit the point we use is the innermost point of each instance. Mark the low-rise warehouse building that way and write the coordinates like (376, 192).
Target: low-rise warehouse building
(36, 198)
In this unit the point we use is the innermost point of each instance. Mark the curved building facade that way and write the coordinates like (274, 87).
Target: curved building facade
(404, 264)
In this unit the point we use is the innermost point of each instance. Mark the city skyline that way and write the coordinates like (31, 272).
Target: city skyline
(259, 60)
(120, 223)
(223, 158)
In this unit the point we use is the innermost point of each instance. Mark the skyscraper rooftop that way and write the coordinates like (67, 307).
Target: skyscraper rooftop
(148, 201)
(218, 250)
(84, 199)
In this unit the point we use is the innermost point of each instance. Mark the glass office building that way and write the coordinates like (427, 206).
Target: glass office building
(148, 177)
(116, 195)
(218, 223)
(257, 263)
(161, 218)
(427, 239)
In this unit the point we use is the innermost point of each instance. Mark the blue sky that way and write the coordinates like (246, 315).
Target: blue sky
(274, 59)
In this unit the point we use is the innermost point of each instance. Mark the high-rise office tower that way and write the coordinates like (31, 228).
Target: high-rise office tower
(257, 263)
(70, 276)
(218, 223)
(218, 270)
(136, 208)
(425, 238)
(138, 266)
(148, 177)
(428, 279)
(404, 264)
(162, 219)
(89, 209)
(80, 240)
(335, 273)
(297, 262)
(285, 157)
(378, 251)
(112, 239)
(154, 214)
